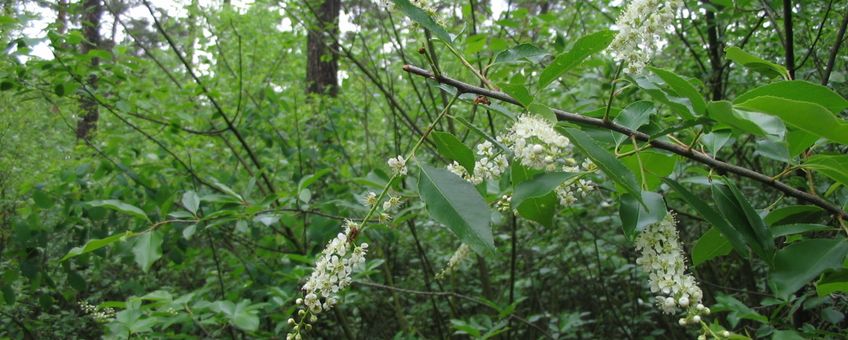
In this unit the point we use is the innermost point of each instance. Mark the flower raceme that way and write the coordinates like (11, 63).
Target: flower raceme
(536, 144)
(331, 275)
(639, 30)
(662, 258)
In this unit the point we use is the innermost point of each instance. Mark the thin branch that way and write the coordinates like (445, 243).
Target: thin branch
(835, 49)
(677, 149)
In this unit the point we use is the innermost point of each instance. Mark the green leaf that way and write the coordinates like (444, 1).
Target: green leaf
(802, 261)
(42, 199)
(517, 91)
(189, 231)
(95, 244)
(543, 111)
(147, 249)
(191, 201)
(421, 17)
(520, 53)
(582, 49)
(539, 186)
(453, 149)
(754, 63)
(833, 166)
(120, 207)
(682, 88)
(658, 91)
(786, 335)
(809, 117)
(792, 229)
(736, 209)
(792, 214)
(712, 216)
(455, 203)
(633, 117)
(709, 246)
(540, 208)
(737, 310)
(244, 317)
(656, 165)
(755, 123)
(605, 161)
(798, 90)
(833, 282)
(635, 217)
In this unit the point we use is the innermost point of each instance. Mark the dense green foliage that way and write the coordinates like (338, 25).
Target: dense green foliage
(211, 182)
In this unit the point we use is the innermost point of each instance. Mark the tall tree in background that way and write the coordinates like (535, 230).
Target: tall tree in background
(322, 61)
(92, 11)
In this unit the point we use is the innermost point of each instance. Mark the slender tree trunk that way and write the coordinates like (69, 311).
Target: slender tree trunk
(92, 11)
(789, 41)
(62, 16)
(715, 48)
(322, 63)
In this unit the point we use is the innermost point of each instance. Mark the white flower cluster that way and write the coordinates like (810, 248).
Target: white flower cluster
(639, 29)
(568, 191)
(398, 165)
(331, 275)
(99, 314)
(458, 256)
(535, 143)
(490, 165)
(663, 259)
(504, 203)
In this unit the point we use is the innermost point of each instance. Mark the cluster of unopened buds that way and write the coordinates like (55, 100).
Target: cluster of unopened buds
(720, 335)
(99, 314)
(570, 190)
(504, 204)
(662, 258)
(332, 274)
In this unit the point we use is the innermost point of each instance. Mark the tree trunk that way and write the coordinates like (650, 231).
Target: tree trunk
(92, 11)
(322, 63)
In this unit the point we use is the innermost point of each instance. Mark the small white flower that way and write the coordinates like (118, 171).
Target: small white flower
(640, 27)
(370, 199)
(535, 143)
(458, 256)
(398, 165)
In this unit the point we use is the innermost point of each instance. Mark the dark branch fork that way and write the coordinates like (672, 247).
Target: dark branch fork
(684, 151)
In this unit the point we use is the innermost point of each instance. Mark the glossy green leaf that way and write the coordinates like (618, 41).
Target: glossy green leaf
(191, 201)
(737, 310)
(542, 207)
(655, 166)
(682, 88)
(455, 203)
(538, 186)
(520, 53)
(661, 94)
(582, 49)
(755, 63)
(120, 207)
(792, 214)
(709, 246)
(712, 216)
(633, 117)
(792, 229)
(605, 161)
(421, 17)
(42, 199)
(635, 217)
(751, 122)
(741, 215)
(809, 117)
(833, 166)
(833, 282)
(95, 244)
(453, 149)
(517, 91)
(800, 262)
(798, 90)
(147, 249)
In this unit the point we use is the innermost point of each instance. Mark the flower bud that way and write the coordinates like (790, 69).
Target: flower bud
(682, 322)
(683, 302)
(696, 319)
(299, 301)
(725, 334)
(291, 322)
(538, 148)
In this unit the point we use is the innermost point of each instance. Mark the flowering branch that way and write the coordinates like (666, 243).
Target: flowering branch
(684, 151)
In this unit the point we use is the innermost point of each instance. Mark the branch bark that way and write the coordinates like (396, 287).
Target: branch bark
(677, 149)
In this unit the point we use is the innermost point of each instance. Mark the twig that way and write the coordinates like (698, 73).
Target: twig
(677, 149)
